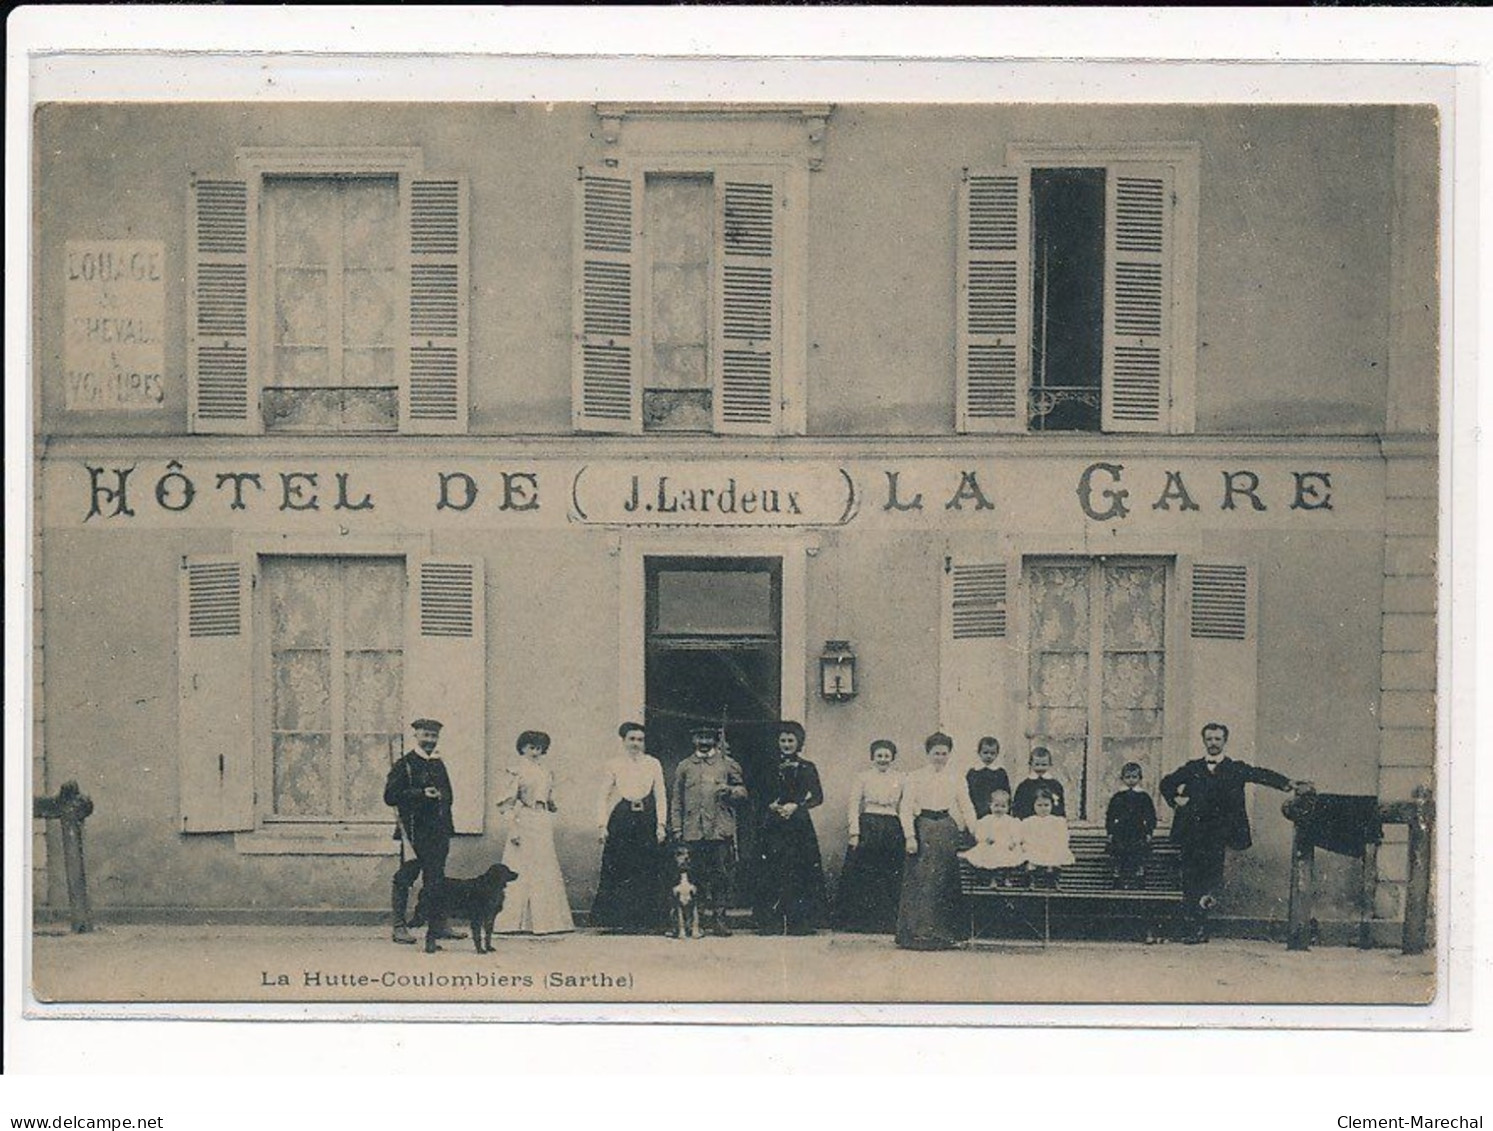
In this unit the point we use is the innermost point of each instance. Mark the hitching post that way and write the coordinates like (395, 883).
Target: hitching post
(1418, 886)
(71, 808)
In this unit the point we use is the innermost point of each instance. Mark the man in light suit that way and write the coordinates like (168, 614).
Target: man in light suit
(1207, 797)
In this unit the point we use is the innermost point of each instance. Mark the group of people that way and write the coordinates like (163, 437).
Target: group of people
(907, 835)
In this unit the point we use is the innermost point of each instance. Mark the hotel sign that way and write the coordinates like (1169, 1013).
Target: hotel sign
(701, 493)
(390, 494)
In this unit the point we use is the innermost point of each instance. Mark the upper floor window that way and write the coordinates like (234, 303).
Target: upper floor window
(328, 295)
(689, 265)
(1077, 292)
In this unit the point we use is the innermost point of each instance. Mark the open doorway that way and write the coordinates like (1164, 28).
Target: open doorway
(714, 656)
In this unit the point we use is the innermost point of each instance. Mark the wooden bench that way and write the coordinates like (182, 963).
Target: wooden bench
(1085, 887)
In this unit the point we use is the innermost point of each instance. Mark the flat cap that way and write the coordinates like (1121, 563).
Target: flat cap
(426, 724)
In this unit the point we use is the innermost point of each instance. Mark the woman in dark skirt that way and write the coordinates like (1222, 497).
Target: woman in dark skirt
(629, 896)
(872, 876)
(792, 888)
(935, 814)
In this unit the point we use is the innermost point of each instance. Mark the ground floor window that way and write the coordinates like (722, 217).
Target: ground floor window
(336, 656)
(1097, 671)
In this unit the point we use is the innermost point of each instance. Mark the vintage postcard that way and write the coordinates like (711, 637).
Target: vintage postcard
(526, 552)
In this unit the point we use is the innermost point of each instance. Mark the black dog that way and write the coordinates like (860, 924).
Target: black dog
(476, 901)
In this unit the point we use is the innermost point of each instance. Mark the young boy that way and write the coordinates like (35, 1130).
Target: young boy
(1040, 779)
(986, 778)
(1130, 821)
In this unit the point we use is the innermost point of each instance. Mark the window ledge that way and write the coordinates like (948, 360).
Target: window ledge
(319, 840)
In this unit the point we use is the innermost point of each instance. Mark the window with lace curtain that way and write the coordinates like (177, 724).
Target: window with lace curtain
(1096, 687)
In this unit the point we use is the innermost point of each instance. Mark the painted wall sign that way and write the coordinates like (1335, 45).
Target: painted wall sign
(114, 302)
(392, 494)
(742, 493)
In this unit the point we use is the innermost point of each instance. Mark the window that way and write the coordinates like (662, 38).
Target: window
(1103, 660)
(332, 276)
(689, 268)
(679, 317)
(299, 673)
(1076, 292)
(328, 296)
(336, 682)
(1096, 688)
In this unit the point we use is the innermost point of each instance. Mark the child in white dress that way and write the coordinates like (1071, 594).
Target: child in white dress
(999, 849)
(1045, 837)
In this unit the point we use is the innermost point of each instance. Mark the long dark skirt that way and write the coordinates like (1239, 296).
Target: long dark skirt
(792, 883)
(930, 914)
(630, 893)
(871, 880)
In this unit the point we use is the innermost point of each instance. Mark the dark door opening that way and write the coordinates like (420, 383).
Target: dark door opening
(714, 656)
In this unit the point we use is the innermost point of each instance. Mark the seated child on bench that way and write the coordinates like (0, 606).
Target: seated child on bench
(998, 853)
(1045, 838)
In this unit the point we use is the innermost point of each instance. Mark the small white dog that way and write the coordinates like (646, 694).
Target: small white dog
(686, 906)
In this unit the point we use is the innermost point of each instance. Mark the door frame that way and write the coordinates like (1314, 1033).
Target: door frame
(792, 552)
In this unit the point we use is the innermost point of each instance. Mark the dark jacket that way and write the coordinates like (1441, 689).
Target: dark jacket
(795, 782)
(981, 782)
(1024, 800)
(404, 789)
(1214, 815)
(1130, 819)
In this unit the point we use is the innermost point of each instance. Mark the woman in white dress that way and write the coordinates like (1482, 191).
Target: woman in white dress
(535, 903)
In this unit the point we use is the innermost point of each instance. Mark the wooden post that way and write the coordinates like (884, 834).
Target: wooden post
(1303, 883)
(1418, 885)
(71, 807)
(1366, 893)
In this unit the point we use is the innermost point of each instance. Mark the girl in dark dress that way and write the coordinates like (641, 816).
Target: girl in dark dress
(630, 893)
(792, 871)
(872, 876)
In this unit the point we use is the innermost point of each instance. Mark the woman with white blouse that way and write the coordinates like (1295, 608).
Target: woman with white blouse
(631, 825)
(535, 903)
(872, 877)
(934, 811)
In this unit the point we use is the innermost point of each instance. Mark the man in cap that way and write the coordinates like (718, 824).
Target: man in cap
(702, 816)
(420, 789)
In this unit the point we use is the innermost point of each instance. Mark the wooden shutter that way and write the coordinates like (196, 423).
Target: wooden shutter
(1222, 660)
(446, 674)
(994, 337)
(216, 712)
(436, 395)
(978, 691)
(221, 391)
(606, 368)
(1137, 299)
(748, 301)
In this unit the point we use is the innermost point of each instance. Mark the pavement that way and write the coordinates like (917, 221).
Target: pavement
(118, 963)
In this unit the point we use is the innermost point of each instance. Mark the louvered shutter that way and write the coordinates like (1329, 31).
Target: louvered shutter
(215, 696)
(436, 397)
(1222, 652)
(994, 339)
(1137, 298)
(446, 674)
(978, 692)
(606, 394)
(748, 302)
(221, 391)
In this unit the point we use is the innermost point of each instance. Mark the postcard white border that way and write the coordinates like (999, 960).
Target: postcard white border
(1430, 37)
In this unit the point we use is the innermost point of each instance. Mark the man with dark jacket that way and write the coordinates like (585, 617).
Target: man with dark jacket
(419, 787)
(1207, 797)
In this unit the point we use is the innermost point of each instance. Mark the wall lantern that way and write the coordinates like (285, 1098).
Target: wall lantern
(837, 671)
